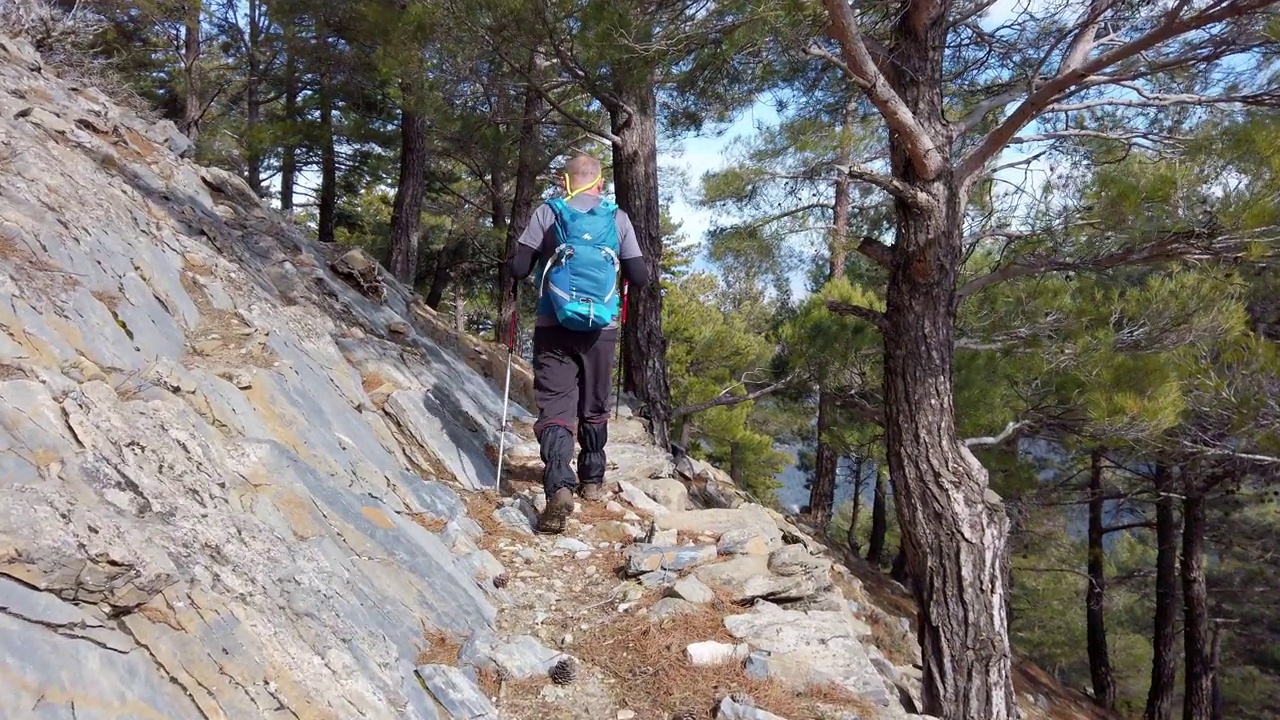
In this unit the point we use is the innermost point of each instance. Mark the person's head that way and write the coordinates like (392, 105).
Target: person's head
(584, 175)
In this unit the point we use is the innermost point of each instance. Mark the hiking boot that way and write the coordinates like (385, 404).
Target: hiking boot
(559, 506)
(592, 492)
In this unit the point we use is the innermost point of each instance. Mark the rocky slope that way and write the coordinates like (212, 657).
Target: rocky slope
(246, 476)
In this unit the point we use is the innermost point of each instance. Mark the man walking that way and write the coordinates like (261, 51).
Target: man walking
(580, 243)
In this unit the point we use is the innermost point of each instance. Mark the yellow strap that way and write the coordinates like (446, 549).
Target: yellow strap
(569, 188)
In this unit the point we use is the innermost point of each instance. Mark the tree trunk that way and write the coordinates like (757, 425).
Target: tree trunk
(954, 527)
(527, 166)
(1197, 695)
(1164, 636)
(1219, 703)
(192, 102)
(459, 310)
(735, 464)
(837, 245)
(879, 520)
(406, 210)
(328, 162)
(635, 172)
(1104, 684)
(822, 492)
(899, 570)
(253, 100)
(852, 540)
(445, 261)
(289, 153)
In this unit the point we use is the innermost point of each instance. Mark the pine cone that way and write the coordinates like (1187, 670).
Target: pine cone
(685, 715)
(564, 672)
(500, 581)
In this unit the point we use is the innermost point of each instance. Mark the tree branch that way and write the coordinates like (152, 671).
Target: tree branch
(879, 253)
(1139, 525)
(891, 185)
(874, 317)
(1004, 435)
(1180, 245)
(926, 157)
(1070, 75)
(723, 399)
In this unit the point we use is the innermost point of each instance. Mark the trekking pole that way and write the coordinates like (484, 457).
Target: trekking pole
(506, 399)
(622, 350)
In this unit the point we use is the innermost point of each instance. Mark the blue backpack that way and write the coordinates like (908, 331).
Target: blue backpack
(579, 282)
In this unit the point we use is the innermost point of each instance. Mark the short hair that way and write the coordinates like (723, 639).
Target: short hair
(582, 169)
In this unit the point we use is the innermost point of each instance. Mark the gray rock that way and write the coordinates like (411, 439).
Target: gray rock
(670, 607)
(456, 693)
(747, 541)
(515, 518)
(746, 577)
(810, 647)
(730, 710)
(658, 578)
(716, 522)
(791, 560)
(639, 500)
(693, 590)
(522, 657)
(643, 558)
(572, 545)
(668, 492)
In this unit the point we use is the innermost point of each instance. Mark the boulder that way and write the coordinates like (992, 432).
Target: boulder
(642, 558)
(668, 492)
(747, 577)
(716, 522)
(811, 647)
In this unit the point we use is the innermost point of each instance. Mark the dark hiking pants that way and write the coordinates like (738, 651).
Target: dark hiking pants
(572, 379)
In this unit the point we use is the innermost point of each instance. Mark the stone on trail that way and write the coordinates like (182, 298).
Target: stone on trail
(692, 589)
(809, 647)
(747, 541)
(730, 710)
(710, 652)
(642, 558)
(640, 501)
(456, 693)
(716, 522)
(668, 492)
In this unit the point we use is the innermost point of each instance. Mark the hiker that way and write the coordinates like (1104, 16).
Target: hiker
(580, 242)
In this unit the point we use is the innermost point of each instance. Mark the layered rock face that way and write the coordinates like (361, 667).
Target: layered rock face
(238, 471)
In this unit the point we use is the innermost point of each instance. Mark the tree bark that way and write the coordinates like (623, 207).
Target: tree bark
(1164, 635)
(289, 153)
(1219, 703)
(328, 160)
(528, 165)
(635, 171)
(459, 310)
(899, 570)
(852, 539)
(253, 100)
(879, 520)
(192, 102)
(406, 210)
(1197, 697)
(822, 492)
(446, 259)
(1104, 684)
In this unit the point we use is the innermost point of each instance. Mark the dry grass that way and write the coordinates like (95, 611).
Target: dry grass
(429, 522)
(110, 298)
(441, 649)
(649, 663)
(372, 380)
